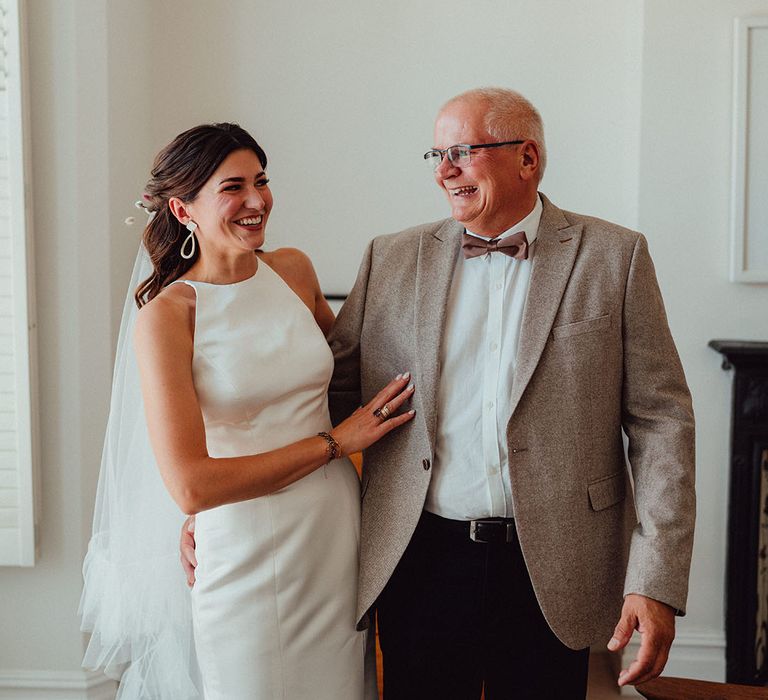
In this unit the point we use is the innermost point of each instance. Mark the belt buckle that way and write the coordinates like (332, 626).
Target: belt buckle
(509, 530)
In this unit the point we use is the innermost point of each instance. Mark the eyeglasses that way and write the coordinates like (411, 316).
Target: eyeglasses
(460, 154)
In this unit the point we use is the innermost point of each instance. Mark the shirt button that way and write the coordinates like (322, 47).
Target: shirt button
(494, 347)
(426, 464)
(490, 405)
(498, 285)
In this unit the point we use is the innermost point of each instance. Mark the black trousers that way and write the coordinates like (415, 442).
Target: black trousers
(459, 615)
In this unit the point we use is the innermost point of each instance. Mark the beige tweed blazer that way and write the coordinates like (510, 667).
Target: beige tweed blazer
(596, 356)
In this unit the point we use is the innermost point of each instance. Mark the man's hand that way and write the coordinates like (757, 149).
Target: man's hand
(656, 623)
(187, 549)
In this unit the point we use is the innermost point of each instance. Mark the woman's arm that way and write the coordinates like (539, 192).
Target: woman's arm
(196, 481)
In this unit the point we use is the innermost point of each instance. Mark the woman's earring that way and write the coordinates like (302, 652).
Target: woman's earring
(189, 241)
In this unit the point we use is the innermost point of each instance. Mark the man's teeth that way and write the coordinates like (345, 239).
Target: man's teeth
(460, 191)
(250, 221)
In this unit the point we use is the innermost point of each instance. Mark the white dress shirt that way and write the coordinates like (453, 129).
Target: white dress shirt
(470, 477)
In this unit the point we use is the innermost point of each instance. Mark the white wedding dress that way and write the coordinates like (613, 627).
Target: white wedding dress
(274, 601)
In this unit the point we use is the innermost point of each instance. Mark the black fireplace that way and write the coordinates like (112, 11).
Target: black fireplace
(746, 626)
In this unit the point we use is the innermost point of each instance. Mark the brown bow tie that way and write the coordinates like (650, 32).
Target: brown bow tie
(516, 246)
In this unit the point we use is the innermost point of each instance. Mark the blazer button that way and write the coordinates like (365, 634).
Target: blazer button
(426, 464)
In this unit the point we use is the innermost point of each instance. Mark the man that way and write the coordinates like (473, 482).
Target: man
(501, 536)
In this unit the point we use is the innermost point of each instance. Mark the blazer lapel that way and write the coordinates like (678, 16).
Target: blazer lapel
(556, 246)
(434, 271)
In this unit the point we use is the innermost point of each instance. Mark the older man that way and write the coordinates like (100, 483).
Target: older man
(501, 536)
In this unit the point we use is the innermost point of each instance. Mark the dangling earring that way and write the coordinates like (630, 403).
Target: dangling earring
(189, 240)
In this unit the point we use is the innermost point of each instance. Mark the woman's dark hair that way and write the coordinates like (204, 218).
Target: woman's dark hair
(180, 170)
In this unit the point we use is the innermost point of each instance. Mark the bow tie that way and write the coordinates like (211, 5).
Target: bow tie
(516, 246)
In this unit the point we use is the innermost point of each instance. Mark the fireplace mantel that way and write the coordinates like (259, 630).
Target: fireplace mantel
(741, 353)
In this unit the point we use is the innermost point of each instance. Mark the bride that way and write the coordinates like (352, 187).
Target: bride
(233, 369)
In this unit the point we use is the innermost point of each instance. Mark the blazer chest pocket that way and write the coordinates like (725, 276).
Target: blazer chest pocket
(607, 491)
(588, 325)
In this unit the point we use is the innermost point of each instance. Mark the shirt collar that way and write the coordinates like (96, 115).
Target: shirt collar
(530, 224)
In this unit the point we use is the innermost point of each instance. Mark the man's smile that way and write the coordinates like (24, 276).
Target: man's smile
(464, 191)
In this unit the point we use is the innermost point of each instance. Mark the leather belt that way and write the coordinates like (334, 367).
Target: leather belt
(492, 530)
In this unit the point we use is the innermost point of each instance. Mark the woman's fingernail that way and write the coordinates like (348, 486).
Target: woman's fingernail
(409, 387)
(191, 526)
(406, 375)
(399, 376)
(412, 412)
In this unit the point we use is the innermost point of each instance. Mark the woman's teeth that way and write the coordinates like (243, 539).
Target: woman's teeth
(250, 221)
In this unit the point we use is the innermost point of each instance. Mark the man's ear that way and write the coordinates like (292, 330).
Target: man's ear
(530, 162)
(179, 210)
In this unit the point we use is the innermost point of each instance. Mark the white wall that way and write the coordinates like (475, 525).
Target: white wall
(684, 199)
(636, 101)
(343, 95)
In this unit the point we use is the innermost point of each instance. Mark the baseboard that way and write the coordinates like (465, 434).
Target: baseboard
(700, 656)
(55, 685)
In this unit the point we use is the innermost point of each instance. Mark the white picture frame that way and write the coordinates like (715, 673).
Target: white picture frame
(749, 197)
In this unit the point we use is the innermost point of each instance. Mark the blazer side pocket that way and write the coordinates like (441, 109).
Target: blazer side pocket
(607, 491)
(588, 325)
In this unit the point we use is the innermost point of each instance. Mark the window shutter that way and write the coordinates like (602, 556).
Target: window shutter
(17, 328)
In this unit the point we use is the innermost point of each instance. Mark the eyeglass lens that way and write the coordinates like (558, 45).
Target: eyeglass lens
(458, 155)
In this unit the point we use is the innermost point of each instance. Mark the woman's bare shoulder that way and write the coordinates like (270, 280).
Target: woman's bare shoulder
(171, 312)
(290, 260)
(296, 269)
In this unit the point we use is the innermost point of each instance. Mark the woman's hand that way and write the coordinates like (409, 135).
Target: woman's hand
(187, 550)
(364, 427)
(373, 421)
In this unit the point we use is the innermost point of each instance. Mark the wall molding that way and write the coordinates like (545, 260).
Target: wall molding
(55, 685)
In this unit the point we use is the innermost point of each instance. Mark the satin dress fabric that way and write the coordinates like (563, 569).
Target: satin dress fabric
(276, 581)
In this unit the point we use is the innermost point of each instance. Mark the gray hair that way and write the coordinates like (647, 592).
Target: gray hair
(509, 117)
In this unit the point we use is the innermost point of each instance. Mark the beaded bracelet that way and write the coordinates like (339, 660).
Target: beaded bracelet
(332, 448)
